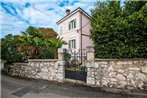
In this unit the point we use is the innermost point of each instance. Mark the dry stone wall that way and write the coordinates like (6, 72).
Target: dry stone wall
(127, 74)
(47, 69)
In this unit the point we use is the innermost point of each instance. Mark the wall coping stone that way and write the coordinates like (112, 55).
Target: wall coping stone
(20, 63)
(126, 59)
(61, 50)
(3, 61)
(42, 60)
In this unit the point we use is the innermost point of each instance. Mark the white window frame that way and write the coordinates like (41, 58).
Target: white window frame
(72, 24)
(72, 44)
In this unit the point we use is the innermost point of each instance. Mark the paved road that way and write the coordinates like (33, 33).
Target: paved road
(20, 88)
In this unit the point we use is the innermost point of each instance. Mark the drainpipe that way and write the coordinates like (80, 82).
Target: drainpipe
(81, 34)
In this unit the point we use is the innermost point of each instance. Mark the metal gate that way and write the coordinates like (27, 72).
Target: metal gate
(75, 65)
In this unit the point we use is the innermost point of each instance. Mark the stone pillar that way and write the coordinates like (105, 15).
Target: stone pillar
(61, 54)
(61, 63)
(2, 64)
(90, 66)
(90, 54)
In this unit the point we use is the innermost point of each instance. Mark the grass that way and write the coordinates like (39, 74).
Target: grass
(73, 68)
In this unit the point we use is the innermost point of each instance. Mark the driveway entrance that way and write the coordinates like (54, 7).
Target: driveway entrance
(75, 65)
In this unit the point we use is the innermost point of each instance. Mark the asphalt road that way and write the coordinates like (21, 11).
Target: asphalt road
(21, 88)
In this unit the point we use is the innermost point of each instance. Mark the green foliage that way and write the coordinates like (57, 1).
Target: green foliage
(56, 43)
(39, 43)
(120, 32)
(9, 47)
(32, 44)
(47, 53)
(48, 32)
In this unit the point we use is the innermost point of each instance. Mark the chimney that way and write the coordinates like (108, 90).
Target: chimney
(67, 11)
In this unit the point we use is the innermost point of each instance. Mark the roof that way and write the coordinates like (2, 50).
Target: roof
(73, 12)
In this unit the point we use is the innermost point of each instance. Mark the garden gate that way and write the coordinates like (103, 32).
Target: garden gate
(75, 64)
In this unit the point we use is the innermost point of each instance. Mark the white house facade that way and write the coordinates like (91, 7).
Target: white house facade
(75, 29)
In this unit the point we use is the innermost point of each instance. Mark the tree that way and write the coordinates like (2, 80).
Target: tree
(48, 33)
(33, 42)
(56, 43)
(119, 32)
(40, 44)
(9, 47)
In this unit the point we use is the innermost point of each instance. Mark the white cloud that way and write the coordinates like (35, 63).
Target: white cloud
(11, 25)
(36, 14)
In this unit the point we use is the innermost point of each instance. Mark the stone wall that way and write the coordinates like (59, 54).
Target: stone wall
(117, 73)
(2, 63)
(39, 69)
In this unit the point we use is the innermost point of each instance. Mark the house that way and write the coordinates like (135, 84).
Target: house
(75, 29)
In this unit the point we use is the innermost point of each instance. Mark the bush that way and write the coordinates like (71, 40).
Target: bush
(47, 53)
(120, 32)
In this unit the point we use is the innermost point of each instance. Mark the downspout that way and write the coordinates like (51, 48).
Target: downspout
(81, 34)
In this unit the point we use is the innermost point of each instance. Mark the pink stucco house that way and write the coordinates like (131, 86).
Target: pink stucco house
(75, 29)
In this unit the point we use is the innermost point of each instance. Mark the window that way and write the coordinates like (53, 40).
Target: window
(72, 24)
(72, 44)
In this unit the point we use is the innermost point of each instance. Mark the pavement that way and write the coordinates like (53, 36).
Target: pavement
(12, 87)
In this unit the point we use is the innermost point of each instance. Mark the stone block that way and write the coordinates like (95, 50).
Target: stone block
(134, 68)
(104, 82)
(96, 65)
(103, 65)
(32, 64)
(124, 62)
(90, 56)
(60, 70)
(120, 77)
(50, 78)
(44, 63)
(56, 66)
(122, 84)
(98, 83)
(41, 65)
(121, 71)
(45, 69)
(88, 73)
(144, 70)
(90, 64)
(110, 68)
(61, 63)
(130, 76)
(140, 85)
(142, 76)
(145, 61)
(90, 81)
(60, 76)
(44, 76)
(113, 79)
(118, 67)
(112, 74)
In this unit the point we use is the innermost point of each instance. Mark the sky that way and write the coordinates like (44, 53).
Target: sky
(17, 15)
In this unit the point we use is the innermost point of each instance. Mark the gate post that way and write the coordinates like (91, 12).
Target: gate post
(90, 65)
(61, 54)
(61, 69)
(90, 54)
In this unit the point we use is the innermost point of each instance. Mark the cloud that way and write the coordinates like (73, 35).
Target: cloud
(18, 15)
